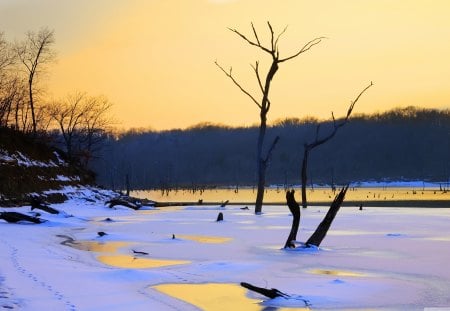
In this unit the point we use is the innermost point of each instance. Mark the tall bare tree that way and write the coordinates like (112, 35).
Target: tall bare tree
(307, 147)
(264, 102)
(35, 53)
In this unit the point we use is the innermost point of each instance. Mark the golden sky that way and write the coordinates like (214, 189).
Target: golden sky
(154, 59)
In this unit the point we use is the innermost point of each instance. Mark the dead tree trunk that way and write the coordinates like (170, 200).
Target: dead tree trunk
(295, 210)
(319, 141)
(321, 231)
(304, 174)
(264, 103)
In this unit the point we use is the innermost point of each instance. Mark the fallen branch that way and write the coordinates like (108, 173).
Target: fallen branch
(271, 293)
(123, 202)
(38, 204)
(14, 217)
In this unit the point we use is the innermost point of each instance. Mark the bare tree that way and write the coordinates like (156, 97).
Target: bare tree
(7, 57)
(307, 147)
(11, 100)
(82, 121)
(34, 53)
(6, 96)
(264, 103)
(68, 116)
(96, 122)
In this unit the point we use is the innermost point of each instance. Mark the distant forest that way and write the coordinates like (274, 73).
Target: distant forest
(401, 144)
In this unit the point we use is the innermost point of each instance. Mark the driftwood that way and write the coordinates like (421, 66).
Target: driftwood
(139, 252)
(14, 217)
(123, 202)
(271, 293)
(39, 204)
(131, 202)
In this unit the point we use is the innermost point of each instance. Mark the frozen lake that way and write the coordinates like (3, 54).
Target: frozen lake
(180, 258)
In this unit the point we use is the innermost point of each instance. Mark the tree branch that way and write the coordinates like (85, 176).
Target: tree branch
(278, 37)
(251, 42)
(272, 147)
(336, 126)
(229, 75)
(256, 69)
(305, 48)
(256, 35)
(271, 37)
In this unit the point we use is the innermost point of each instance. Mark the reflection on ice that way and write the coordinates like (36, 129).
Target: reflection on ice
(128, 261)
(111, 257)
(99, 247)
(205, 239)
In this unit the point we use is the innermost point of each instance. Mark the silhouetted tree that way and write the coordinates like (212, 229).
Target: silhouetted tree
(7, 57)
(322, 229)
(264, 103)
(67, 114)
(34, 53)
(307, 147)
(95, 123)
(82, 121)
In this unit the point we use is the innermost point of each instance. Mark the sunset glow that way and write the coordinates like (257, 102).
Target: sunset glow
(155, 59)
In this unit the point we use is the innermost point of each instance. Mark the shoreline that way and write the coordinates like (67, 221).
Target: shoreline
(351, 203)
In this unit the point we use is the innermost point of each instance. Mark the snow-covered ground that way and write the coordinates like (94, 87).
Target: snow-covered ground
(378, 258)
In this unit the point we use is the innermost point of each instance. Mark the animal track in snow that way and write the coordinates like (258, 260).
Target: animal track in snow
(33, 278)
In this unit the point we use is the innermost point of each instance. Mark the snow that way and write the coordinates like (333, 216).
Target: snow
(378, 258)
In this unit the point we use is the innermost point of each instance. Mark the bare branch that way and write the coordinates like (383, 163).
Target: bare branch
(271, 37)
(336, 125)
(256, 35)
(229, 75)
(317, 131)
(305, 48)
(350, 109)
(278, 37)
(250, 42)
(256, 69)
(272, 147)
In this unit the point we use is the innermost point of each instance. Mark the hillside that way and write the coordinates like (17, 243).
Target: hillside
(403, 144)
(29, 167)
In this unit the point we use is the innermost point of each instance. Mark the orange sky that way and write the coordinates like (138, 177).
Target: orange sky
(154, 59)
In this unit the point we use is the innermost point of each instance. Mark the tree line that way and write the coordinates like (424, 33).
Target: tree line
(76, 122)
(401, 144)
